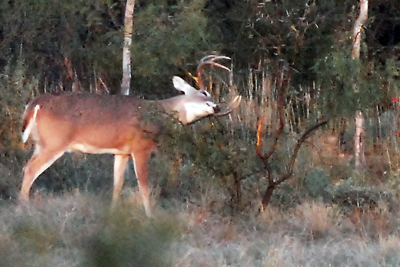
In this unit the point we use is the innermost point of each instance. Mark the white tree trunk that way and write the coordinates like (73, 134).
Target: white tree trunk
(358, 139)
(355, 53)
(126, 54)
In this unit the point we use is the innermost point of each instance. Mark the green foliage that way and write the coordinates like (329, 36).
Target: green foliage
(84, 38)
(165, 39)
(285, 197)
(205, 156)
(297, 32)
(49, 32)
(348, 85)
(349, 196)
(91, 173)
(130, 241)
(30, 239)
(316, 182)
(11, 162)
(14, 91)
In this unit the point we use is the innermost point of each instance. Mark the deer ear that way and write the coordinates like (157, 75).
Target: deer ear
(183, 86)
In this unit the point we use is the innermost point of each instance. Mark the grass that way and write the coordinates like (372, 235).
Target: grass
(79, 230)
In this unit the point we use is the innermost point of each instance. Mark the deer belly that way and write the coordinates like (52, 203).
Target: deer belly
(86, 148)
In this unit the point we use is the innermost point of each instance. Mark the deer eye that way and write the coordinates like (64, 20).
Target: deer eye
(204, 93)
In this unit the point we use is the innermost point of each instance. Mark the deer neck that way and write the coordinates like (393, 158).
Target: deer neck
(174, 106)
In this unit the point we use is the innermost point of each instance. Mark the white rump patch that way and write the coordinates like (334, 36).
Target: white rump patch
(31, 124)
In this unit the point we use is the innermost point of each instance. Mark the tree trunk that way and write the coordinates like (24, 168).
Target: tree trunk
(126, 55)
(358, 140)
(355, 53)
(267, 196)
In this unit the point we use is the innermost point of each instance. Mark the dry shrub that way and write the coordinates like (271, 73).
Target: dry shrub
(135, 198)
(309, 218)
(327, 150)
(377, 222)
(283, 254)
(316, 219)
(196, 216)
(274, 218)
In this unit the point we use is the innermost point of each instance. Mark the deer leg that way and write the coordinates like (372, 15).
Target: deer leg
(140, 160)
(119, 171)
(40, 161)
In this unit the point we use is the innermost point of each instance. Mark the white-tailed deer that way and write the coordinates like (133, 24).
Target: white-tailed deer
(112, 124)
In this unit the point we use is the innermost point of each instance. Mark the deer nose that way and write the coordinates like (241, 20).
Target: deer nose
(217, 109)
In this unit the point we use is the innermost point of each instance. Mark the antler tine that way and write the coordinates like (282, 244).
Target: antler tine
(233, 105)
(209, 60)
(213, 57)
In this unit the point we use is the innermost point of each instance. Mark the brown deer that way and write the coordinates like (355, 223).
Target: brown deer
(114, 124)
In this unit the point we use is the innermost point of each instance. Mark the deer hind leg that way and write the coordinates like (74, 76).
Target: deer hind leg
(40, 161)
(120, 162)
(140, 160)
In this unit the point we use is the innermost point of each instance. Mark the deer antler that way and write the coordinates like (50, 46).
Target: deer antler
(233, 105)
(209, 60)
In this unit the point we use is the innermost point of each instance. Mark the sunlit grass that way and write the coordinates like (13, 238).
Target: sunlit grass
(80, 230)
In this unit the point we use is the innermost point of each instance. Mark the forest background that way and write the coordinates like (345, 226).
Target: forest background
(278, 176)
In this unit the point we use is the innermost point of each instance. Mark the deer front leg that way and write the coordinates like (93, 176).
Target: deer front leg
(119, 171)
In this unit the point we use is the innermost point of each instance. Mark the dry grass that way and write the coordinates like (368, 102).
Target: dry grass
(79, 230)
(313, 234)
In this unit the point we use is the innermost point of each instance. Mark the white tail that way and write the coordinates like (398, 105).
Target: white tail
(108, 124)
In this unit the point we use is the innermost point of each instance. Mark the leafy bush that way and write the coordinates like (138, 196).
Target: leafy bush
(15, 88)
(316, 183)
(131, 241)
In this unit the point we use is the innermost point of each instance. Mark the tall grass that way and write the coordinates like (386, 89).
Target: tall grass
(79, 230)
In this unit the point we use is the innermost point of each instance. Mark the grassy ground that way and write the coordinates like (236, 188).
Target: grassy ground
(79, 230)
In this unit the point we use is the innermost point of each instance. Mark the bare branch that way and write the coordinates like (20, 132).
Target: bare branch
(296, 150)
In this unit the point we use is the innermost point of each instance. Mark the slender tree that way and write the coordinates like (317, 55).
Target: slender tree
(126, 56)
(355, 53)
(358, 24)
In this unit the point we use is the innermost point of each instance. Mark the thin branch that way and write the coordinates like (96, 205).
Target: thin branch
(276, 135)
(271, 183)
(296, 150)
